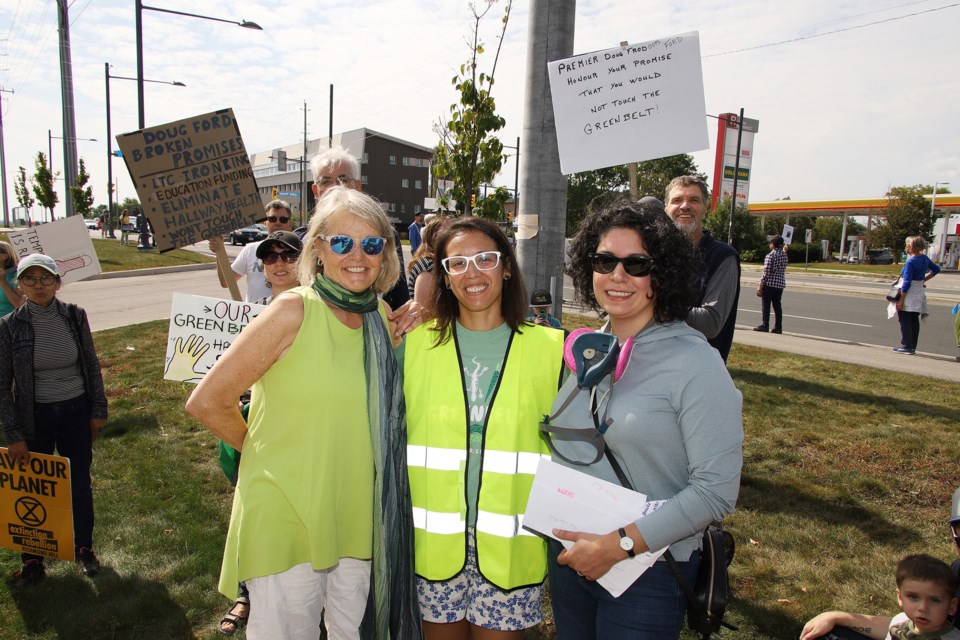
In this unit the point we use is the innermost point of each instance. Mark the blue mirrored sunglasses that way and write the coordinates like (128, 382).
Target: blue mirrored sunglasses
(342, 245)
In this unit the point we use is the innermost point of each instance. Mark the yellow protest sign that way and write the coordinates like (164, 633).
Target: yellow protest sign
(36, 509)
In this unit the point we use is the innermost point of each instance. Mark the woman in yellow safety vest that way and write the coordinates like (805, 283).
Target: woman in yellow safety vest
(478, 379)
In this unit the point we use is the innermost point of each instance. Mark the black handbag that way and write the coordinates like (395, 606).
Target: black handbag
(707, 598)
(893, 295)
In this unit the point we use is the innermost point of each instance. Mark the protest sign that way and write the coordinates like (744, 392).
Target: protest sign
(200, 330)
(627, 104)
(193, 177)
(36, 507)
(67, 241)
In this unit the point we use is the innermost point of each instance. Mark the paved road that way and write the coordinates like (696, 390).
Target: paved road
(829, 317)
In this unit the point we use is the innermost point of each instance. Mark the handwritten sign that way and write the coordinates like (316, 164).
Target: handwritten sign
(67, 241)
(630, 103)
(200, 331)
(36, 507)
(193, 177)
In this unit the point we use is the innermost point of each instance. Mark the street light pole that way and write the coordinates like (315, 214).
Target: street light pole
(3, 164)
(140, 7)
(107, 77)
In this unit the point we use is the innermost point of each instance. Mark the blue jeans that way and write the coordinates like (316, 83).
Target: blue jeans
(653, 608)
(64, 427)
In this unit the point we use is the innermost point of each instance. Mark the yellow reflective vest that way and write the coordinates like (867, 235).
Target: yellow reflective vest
(508, 556)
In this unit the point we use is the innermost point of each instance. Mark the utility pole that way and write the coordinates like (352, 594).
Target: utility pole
(3, 163)
(304, 187)
(69, 121)
(542, 218)
(330, 128)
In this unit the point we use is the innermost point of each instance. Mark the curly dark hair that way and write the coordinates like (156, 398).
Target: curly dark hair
(513, 298)
(674, 262)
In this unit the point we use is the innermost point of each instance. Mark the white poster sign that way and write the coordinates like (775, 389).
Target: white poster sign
(787, 235)
(67, 241)
(200, 330)
(629, 103)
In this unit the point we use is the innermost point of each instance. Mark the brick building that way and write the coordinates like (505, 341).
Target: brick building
(394, 171)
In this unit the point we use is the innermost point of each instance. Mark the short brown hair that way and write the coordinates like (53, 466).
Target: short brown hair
(927, 569)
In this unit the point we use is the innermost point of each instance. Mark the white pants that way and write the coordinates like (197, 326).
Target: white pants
(288, 605)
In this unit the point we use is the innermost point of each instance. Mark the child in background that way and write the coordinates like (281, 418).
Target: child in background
(926, 591)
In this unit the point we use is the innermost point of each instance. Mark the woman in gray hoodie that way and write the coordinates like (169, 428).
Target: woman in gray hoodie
(671, 417)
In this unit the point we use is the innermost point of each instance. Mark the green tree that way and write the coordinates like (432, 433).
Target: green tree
(468, 153)
(653, 176)
(595, 188)
(747, 235)
(42, 182)
(906, 214)
(82, 194)
(22, 192)
(601, 186)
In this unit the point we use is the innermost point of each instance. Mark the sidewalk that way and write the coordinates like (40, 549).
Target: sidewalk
(867, 355)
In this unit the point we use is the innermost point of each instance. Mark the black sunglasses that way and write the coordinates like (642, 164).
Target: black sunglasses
(635, 265)
(281, 219)
(287, 256)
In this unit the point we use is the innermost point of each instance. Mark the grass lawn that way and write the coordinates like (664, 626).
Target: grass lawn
(116, 257)
(846, 470)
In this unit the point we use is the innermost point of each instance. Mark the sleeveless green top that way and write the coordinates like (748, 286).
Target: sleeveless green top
(305, 486)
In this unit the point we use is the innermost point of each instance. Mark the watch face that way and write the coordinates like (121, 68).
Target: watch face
(626, 543)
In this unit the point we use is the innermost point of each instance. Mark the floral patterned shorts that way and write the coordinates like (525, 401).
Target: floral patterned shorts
(468, 595)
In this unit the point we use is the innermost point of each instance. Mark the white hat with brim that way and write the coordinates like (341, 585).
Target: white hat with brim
(37, 260)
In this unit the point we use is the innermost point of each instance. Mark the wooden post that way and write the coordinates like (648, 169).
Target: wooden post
(226, 272)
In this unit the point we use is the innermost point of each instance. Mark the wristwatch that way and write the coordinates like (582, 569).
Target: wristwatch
(626, 543)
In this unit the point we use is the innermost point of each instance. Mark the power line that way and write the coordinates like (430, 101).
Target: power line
(827, 33)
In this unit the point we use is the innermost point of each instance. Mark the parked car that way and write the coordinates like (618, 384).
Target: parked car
(92, 224)
(879, 256)
(253, 233)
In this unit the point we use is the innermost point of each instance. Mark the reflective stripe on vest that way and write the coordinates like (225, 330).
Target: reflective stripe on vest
(435, 457)
(508, 462)
(437, 522)
(497, 524)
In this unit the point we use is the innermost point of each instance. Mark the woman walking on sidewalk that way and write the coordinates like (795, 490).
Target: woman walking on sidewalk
(913, 300)
(772, 283)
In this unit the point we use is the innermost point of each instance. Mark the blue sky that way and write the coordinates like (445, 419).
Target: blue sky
(841, 115)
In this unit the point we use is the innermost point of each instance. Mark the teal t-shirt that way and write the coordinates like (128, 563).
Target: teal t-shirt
(482, 354)
(5, 305)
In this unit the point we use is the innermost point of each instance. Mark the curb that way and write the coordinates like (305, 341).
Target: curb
(153, 271)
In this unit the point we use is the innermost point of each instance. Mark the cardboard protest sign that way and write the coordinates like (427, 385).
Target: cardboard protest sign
(36, 508)
(630, 103)
(193, 177)
(67, 241)
(200, 330)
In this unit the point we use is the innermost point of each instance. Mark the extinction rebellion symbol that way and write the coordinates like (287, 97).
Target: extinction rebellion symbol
(30, 511)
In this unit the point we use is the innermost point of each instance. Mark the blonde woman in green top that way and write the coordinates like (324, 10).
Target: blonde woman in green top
(321, 515)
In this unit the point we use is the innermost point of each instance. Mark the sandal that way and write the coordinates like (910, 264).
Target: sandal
(231, 622)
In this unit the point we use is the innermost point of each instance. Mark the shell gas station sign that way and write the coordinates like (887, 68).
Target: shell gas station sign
(36, 509)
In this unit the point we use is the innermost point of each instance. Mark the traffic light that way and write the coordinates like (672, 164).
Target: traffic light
(275, 193)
